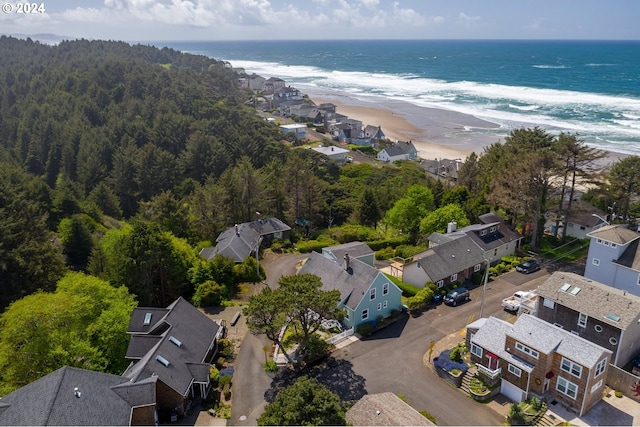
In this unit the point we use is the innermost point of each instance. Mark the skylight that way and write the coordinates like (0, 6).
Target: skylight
(565, 287)
(147, 319)
(612, 316)
(162, 360)
(575, 291)
(175, 340)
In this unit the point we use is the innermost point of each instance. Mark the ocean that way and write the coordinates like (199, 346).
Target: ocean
(589, 88)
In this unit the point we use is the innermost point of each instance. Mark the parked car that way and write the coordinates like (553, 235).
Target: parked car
(528, 266)
(456, 296)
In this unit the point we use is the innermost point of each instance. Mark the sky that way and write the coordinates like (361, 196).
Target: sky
(169, 20)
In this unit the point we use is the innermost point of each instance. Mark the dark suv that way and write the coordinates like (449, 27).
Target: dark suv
(456, 296)
(528, 266)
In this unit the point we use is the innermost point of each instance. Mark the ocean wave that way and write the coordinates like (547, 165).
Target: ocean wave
(552, 67)
(524, 107)
(600, 65)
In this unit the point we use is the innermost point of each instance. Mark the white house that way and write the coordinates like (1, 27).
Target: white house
(337, 154)
(298, 129)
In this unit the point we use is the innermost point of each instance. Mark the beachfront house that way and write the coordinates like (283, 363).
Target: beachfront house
(534, 358)
(272, 85)
(614, 258)
(366, 294)
(337, 154)
(443, 168)
(449, 262)
(401, 150)
(596, 312)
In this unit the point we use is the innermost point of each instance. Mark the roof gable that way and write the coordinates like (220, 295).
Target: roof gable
(449, 257)
(614, 233)
(384, 409)
(354, 249)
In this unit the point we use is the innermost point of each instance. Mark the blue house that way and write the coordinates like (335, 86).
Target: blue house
(365, 294)
(614, 258)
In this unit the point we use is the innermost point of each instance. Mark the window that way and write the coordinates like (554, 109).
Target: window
(548, 303)
(599, 241)
(379, 306)
(613, 245)
(385, 304)
(440, 283)
(372, 294)
(582, 320)
(573, 368)
(567, 387)
(638, 279)
(385, 289)
(365, 314)
(483, 232)
(606, 243)
(600, 367)
(454, 277)
(523, 348)
(515, 370)
(596, 386)
(476, 350)
(595, 261)
(476, 268)
(492, 229)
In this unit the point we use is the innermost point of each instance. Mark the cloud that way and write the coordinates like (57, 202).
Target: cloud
(468, 18)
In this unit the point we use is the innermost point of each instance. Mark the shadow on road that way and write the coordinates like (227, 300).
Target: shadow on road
(393, 330)
(337, 375)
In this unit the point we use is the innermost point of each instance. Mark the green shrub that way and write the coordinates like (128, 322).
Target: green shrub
(477, 277)
(314, 245)
(385, 253)
(407, 289)
(457, 352)
(270, 366)
(214, 375)
(407, 251)
(226, 390)
(365, 329)
(316, 347)
(224, 381)
(428, 416)
(225, 348)
(383, 243)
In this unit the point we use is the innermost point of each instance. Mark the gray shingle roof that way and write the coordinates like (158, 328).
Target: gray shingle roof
(351, 284)
(384, 409)
(105, 399)
(354, 249)
(193, 334)
(631, 256)
(239, 241)
(593, 299)
(614, 233)
(491, 336)
(450, 257)
(546, 338)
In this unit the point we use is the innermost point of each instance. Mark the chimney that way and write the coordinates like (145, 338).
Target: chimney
(347, 262)
(452, 227)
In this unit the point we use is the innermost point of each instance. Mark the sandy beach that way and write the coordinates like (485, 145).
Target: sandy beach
(436, 133)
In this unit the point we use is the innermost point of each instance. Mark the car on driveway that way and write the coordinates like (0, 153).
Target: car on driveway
(456, 296)
(528, 266)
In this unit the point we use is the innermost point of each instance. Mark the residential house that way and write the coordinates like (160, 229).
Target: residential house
(315, 116)
(582, 219)
(401, 150)
(241, 240)
(534, 358)
(492, 235)
(601, 314)
(453, 261)
(73, 396)
(288, 93)
(299, 130)
(614, 258)
(374, 132)
(255, 82)
(337, 154)
(365, 293)
(272, 85)
(175, 345)
(443, 168)
(355, 250)
(384, 409)
(341, 132)
(327, 108)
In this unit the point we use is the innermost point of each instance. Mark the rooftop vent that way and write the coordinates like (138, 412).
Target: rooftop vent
(147, 319)
(175, 340)
(77, 393)
(162, 360)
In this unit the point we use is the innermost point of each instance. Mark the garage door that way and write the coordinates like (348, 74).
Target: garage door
(511, 391)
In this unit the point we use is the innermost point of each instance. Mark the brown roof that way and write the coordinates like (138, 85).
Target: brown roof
(592, 298)
(384, 409)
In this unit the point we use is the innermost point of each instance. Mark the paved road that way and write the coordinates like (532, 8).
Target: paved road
(392, 360)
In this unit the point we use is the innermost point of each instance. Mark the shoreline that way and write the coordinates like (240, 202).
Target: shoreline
(436, 133)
